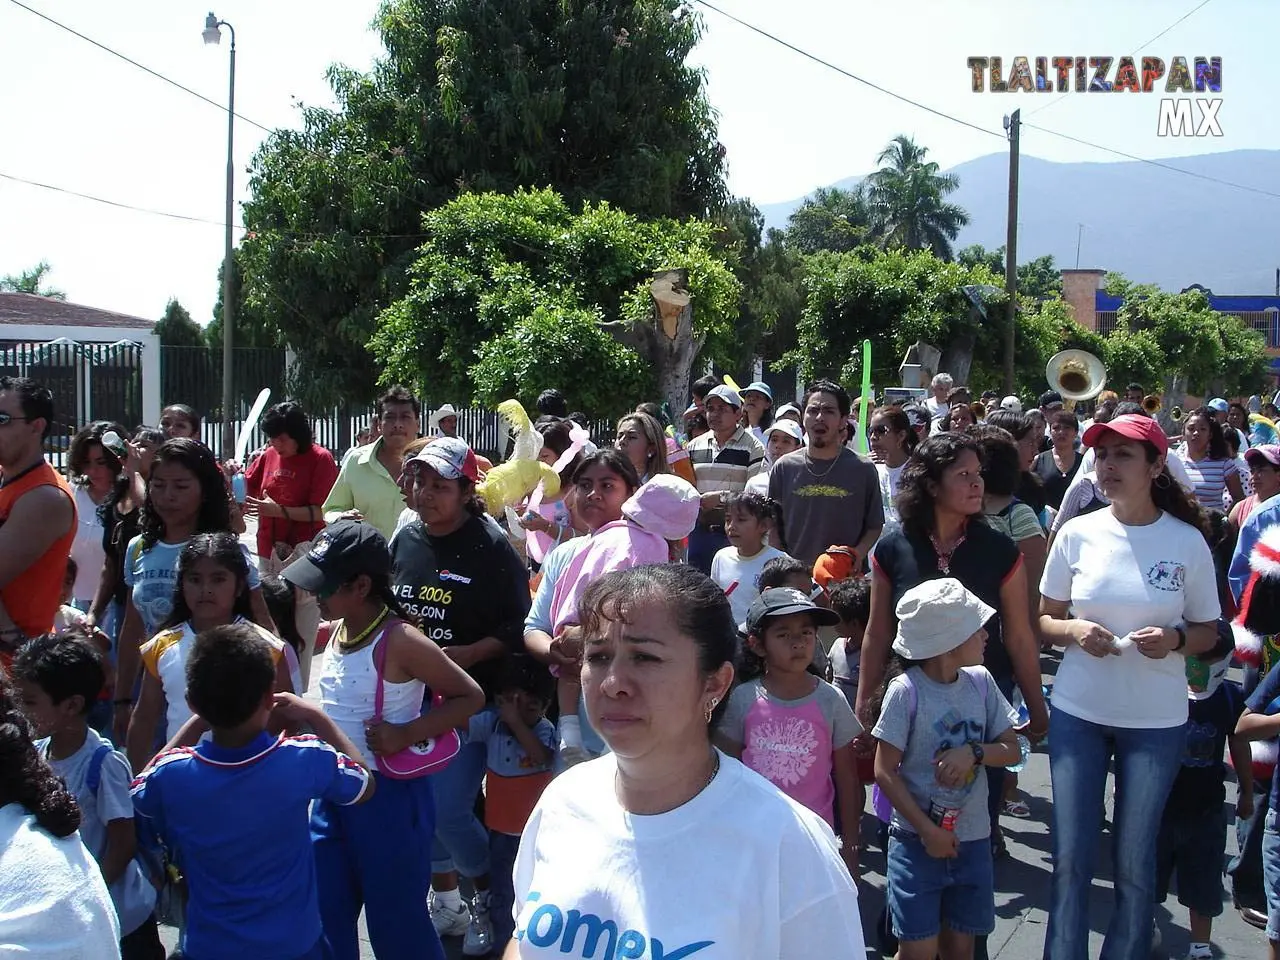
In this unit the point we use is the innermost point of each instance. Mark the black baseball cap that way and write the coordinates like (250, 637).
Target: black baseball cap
(340, 552)
(781, 601)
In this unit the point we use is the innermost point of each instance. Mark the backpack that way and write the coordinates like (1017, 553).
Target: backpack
(979, 677)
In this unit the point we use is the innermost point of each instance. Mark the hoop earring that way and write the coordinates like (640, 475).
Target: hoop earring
(1166, 484)
(711, 708)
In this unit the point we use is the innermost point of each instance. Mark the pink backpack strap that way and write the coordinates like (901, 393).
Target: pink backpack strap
(380, 667)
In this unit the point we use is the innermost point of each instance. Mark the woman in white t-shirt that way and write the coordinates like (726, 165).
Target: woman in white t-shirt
(94, 469)
(891, 440)
(54, 903)
(1139, 579)
(666, 844)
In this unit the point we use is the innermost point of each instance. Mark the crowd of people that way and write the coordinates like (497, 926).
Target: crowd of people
(569, 718)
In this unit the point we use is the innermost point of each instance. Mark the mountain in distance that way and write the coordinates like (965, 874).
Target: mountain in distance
(1150, 224)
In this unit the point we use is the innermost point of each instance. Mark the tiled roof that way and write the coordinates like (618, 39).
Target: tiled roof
(27, 308)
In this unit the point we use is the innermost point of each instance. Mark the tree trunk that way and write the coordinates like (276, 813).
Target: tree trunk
(667, 341)
(957, 358)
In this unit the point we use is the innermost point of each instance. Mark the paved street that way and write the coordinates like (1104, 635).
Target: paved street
(1022, 895)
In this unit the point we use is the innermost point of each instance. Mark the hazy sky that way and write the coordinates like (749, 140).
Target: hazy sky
(78, 118)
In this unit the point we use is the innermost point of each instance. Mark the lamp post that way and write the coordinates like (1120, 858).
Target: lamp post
(213, 34)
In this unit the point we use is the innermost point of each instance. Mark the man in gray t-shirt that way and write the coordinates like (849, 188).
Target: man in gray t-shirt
(969, 710)
(830, 496)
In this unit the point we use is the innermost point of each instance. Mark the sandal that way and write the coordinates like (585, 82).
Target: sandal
(1017, 808)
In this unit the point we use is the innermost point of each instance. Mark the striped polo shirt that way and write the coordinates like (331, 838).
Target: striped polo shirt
(725, 469)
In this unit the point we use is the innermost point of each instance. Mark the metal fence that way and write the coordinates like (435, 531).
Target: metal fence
(89, 381)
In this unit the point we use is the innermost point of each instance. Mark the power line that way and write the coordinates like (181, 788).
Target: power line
(852, 76)
(1139, 49)
(140, 66)
(1154, 163)
(947, 116)
(113, 203)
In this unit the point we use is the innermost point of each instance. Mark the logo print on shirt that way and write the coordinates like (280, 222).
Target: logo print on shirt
(1167, 575)
(456, 577)
(821, 490)
(783, 750)
(579, 934)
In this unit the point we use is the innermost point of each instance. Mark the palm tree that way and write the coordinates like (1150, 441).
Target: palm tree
(908, 199)
(29, 281)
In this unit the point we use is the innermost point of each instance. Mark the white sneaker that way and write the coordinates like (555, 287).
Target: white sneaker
(447, 921)
(478, 941)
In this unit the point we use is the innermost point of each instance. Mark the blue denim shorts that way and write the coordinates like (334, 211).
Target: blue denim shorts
(925, 892)
(1271, 874)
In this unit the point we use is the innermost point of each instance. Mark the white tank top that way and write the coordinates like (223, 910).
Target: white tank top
(348, 684)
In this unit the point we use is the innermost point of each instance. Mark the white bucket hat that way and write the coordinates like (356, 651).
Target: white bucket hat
(937, 616)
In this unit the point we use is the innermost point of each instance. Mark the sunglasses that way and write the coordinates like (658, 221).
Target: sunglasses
(881, 430)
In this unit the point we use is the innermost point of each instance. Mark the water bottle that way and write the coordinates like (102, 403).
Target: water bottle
(1024, 749)
(237, 487)
(945, 805)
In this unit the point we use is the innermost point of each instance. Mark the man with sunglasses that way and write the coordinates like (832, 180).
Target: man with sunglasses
(37, 516)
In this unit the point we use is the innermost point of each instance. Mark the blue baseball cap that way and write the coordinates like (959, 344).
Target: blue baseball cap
(759, 387)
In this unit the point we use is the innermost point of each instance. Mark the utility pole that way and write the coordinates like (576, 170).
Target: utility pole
(1011, 126)
(1079, 236)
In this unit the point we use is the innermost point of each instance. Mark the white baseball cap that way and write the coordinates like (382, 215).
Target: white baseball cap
(787, 426)
(1011, 403)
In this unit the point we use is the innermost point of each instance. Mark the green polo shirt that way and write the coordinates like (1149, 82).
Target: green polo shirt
(363, 484)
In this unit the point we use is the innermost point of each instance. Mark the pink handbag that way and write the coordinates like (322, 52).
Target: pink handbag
(419, 759)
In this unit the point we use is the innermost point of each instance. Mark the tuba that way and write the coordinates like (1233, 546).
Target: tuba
(1176, 414)
(1152, 404)
(1076, 374)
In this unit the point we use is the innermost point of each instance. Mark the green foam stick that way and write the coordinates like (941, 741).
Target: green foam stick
(864, 405)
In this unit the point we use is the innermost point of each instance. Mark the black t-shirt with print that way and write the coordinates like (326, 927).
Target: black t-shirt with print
(1199, 788)
(983, 562)
(463, 587)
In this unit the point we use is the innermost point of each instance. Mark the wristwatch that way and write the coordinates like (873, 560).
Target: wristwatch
(978, 753)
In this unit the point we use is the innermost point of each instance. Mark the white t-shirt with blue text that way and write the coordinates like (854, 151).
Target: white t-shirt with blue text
(152, 577)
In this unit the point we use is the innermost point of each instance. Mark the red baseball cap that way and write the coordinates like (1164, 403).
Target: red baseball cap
(1132, 426)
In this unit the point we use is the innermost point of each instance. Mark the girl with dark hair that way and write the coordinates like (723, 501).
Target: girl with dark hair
(459, 576)
(749, 518)
(891, 440)
(1130, 591)
(213, 591)
(180, 420)
(376, 855)
(1212, 469)
(757, 409)
(185, 496)
(959, 417)
(1027, 434)
(119, 515)
(94, 467)
(54, 901)
(940, 502)
(286, 488)
(656, 675)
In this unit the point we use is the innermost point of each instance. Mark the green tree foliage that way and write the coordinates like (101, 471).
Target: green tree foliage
(498, 272)
(892, 297)
(177, 329)
(1038, 279)
(908, 200)
(31, 281)
(593, 99)
(252, 330)
(832, 219)
(1159, 335)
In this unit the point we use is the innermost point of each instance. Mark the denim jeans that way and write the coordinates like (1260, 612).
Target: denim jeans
(461, 841)
(1146, 763)
(502, 852)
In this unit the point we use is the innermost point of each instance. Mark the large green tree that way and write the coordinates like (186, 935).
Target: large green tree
(31, 281)
(177, 329)
(908, 197)
(514, 293)
(832, 219)
(593, 98)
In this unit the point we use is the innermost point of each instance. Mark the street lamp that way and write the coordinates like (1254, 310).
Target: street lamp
(213, 34)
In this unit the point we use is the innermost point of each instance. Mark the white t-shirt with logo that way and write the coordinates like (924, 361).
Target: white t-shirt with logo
(739, 576)
(740, 872)
(1125, 578)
